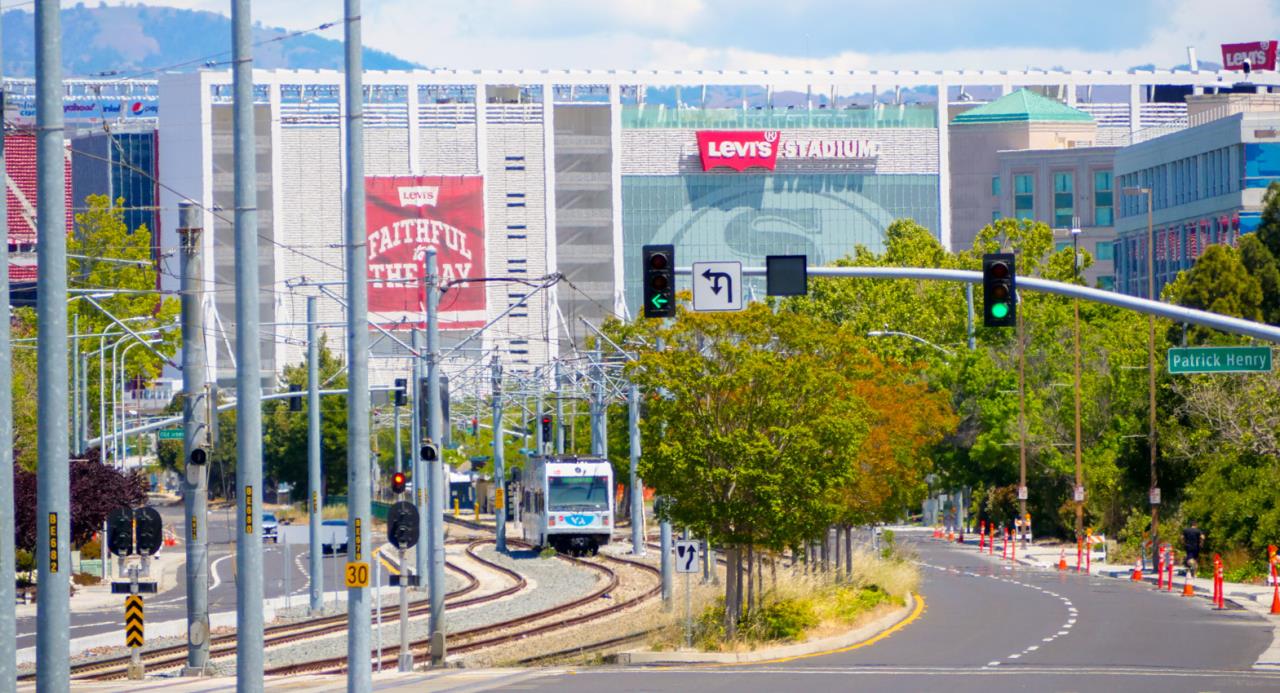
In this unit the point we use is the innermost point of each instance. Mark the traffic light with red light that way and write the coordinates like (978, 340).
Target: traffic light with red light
(659, 281)
(398, 482)
(999, 290)
(546, 428)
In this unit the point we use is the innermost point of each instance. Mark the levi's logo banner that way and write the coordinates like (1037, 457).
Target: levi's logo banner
(738, 149)
(1260, 54)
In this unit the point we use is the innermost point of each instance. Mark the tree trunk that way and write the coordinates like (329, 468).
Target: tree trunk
(848, 550)
(731, 592)
(751, 578)
(839, 563)
(773, 574)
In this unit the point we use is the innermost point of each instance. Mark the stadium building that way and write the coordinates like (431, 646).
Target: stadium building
(518, 175)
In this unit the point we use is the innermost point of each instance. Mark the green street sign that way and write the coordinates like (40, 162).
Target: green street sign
(171, 434)
(1183, 360)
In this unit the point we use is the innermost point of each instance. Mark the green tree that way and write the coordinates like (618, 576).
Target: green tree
(1217, 283)
(1269, 226)
(759, 430)
(1261, 265)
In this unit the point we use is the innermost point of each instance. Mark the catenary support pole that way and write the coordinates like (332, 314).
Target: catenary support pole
(75, 382)
(419, 467)
(359, 667)
(53, 512)
(249, 635)
(399, 447)
(559, 432)
(499, 466)
(195, 409)
(8, 565)
(599, 446)
(637, 489)
(664, 538)
(315, 485)
(436, 483)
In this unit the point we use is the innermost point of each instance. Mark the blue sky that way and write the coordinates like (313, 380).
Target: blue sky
(788, 34)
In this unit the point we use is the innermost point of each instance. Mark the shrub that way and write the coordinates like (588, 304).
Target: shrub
(785, 619)
(91, 550)
(85, 579)
(547, 552)
(25, 560)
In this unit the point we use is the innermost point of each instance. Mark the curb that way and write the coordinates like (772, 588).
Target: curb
(864, 634)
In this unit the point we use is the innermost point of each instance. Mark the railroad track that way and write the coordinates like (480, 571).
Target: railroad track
(275, 636)
(474, 639)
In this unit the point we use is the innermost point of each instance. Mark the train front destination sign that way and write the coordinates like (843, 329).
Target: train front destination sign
(1245, 359)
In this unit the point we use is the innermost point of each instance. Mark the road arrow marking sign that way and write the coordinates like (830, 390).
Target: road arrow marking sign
(717, 286)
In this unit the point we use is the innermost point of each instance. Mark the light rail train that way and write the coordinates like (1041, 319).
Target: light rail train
(567, 503)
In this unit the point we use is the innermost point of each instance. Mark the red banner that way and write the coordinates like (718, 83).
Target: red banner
(405, 216)
(1260, 54)
(738, 149)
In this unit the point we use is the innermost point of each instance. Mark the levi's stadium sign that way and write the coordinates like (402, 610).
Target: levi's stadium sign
(1260, 54)
(743, 149)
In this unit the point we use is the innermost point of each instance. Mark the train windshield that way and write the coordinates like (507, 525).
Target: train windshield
(578, 493)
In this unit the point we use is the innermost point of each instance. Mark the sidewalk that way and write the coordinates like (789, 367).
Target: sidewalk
(1254, 598)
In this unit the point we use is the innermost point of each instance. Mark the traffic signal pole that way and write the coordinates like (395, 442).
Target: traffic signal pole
(499, 471)
(53, 511)
(419, 467)
(195, 408)
(249, 627)
(315, 491)
(359, 667)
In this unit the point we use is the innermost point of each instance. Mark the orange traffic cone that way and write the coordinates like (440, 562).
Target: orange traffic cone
(1062, 559)
(1187, 590)
(1137, 571)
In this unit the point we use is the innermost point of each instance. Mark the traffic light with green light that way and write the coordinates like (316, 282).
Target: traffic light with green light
(659, 281)
(999, 290)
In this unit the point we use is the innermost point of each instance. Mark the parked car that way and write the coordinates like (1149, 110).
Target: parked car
(333, 536)
(270, 528)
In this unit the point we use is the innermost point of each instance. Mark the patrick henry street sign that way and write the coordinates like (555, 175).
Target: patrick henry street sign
(1220, 360)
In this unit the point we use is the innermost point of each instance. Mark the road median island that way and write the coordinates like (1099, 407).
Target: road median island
(881, 625)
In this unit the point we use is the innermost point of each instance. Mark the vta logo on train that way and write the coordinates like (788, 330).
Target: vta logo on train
(578, 520)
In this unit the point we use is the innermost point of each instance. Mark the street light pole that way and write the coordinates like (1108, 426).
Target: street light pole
(1151, 367)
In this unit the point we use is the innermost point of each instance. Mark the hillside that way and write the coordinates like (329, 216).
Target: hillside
(130, 40)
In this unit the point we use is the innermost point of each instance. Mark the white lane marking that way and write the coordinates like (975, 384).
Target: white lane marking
(1033, 648)
(995, 663)
(1014, 656)
(214, 570)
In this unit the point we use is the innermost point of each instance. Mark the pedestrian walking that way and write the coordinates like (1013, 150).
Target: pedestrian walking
(1192, 542)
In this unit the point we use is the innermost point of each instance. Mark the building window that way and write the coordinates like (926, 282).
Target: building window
(1061, 246)
(1104, 250)
(995, 186)
(1024, 195)
(995, 215)
(1107, 282)
(1064, 200)
(1102, 184)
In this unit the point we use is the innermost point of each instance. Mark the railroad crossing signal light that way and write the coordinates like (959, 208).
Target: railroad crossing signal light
(148, 530)
(199, 456)
(546, 428)
(397, 482)
(430, 452)
(475, 425)
(295, 402)
(402, 525)
(120, 531)
(999, 290)
(401, 392)
(659, 281)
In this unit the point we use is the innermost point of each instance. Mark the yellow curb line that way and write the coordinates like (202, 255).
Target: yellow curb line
(391, 568)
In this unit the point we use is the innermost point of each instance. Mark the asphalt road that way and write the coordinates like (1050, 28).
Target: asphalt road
(171, 604)
(988, 626)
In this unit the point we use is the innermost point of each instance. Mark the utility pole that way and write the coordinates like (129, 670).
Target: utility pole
(314, 474)
(1022, 417)
(499, 464)
(53, 503)
(637, 491)
(399, 448)
(1151, 383)
(8, 567)
(436, 485)
(419, 466)
(1075, 306)
(599, 409)
(249, 630)
(195, 488)
(359, 668)
(75, 380)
